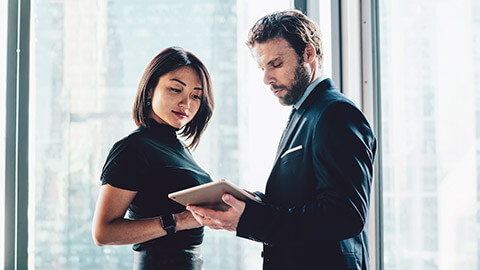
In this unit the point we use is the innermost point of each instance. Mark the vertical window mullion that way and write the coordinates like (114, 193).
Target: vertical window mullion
(10, 136)
(16, 149)
(301, 5)
(337, 75)
(23, 124)
(371, 106)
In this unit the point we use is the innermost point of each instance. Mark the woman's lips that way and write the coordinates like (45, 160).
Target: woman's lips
(180, 114)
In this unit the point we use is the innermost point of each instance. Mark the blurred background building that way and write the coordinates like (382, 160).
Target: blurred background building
(87, 60)
(87, 57)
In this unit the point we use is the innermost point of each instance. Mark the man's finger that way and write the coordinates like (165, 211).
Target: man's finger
(236, 205)
(202, 220)
(203, 211)
(198, 218)
(230, 200)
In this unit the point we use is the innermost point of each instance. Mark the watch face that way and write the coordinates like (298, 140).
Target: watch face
(168, 223)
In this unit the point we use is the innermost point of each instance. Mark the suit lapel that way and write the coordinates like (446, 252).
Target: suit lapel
(288, 133)
(291, 129)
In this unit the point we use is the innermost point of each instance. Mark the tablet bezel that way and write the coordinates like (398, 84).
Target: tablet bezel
(210, 195)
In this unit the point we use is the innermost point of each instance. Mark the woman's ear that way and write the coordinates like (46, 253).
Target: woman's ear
(149, 94)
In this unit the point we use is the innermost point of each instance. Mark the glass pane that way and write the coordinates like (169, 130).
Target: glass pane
(3, 92)
(230, 147)
(326, 29)
(87, 59)
(325, 23)
(431, 129)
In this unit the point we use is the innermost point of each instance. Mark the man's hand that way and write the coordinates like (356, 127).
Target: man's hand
(186, 221)
(220, 220)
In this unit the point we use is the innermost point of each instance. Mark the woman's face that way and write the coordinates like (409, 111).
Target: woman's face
(177, 97)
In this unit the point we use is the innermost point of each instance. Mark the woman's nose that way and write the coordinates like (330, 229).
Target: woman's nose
(185, 101)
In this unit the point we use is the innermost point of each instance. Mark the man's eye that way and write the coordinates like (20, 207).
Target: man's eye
(176, 90)
(277, 65)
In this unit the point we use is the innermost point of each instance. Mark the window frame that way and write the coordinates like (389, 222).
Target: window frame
(372, 107)
(17, 110)
(16, 137)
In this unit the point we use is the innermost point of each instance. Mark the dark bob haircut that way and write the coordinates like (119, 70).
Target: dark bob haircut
(166, 61)
(297, 29)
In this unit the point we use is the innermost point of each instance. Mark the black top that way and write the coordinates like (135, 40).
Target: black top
(154, 162)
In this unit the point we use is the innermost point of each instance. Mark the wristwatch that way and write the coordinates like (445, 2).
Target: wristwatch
(168, 223)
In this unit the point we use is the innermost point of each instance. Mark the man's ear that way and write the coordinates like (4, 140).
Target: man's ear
(310, 53)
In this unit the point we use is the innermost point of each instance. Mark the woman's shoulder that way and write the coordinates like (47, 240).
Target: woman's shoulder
(132, 140)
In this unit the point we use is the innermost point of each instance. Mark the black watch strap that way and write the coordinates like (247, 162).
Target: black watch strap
(168, 223)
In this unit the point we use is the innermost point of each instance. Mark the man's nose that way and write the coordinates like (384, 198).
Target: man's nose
(268, 77)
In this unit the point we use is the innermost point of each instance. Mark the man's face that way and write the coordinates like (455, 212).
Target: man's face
(283, 70)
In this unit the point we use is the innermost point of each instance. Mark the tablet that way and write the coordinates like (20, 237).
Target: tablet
(210, 195)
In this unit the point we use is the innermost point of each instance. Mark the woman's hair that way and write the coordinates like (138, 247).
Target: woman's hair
(297, 29)
(166, 61)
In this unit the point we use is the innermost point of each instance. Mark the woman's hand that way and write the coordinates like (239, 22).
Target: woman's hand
(186, 221)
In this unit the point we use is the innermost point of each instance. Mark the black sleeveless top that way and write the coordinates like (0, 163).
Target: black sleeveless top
(154, 162)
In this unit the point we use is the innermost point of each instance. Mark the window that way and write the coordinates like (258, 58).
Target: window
(87, 58)
(430, 83)
(3, 91)
(320, 12)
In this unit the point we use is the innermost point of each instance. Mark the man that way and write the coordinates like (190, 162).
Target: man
(317, 196)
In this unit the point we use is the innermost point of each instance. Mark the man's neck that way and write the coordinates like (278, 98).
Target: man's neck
(316, 73)
(307, 92)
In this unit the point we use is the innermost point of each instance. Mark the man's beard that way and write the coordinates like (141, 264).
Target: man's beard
(300, 83)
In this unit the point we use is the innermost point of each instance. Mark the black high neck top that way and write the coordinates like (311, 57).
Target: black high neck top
(153, 162)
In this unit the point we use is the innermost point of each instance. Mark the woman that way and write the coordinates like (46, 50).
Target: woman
(143, 168)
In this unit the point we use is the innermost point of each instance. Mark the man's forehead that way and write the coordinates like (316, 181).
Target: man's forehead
(270, 50)
(265, 56)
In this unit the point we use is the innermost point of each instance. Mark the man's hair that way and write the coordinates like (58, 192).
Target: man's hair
(292, 25)
(167, 61)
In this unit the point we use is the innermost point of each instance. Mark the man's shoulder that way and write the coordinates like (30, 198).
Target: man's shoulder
(331, 105)
(325, 93)
(327, 98)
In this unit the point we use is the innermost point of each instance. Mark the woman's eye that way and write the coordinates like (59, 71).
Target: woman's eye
(197, 97)
(176, 90)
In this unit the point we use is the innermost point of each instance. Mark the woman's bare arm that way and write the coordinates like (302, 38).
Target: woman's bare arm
(111, 228)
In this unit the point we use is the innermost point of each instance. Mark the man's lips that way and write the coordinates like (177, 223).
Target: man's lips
(180, 114)
(277, 91)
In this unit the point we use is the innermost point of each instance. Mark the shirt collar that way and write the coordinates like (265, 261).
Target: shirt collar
(163, 130)
(308, 91)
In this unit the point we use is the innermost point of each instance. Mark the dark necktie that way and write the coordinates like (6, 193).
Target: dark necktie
(290, 117)
(288, 122)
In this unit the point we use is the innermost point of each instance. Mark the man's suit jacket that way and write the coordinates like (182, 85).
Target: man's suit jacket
(317, 196)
